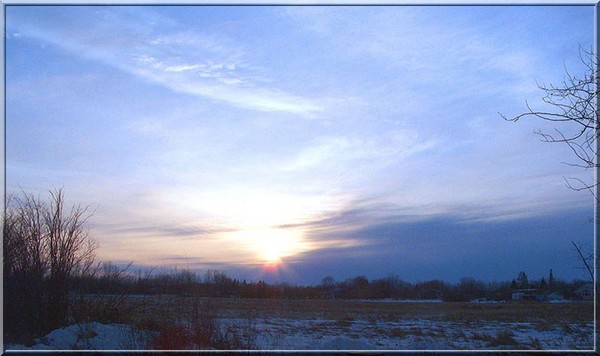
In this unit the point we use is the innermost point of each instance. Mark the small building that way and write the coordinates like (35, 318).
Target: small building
(555, 297)
(525, 294)
(585, 292)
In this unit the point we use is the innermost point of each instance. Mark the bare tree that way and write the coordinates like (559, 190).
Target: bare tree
(44, 247)
(586, 259)
(24, 267)
(328, 286)
(70, 250)
(573, 105)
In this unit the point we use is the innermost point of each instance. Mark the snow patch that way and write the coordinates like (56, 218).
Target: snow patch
(90, 336)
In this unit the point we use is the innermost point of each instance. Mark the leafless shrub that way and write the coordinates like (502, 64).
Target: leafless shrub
(84, 332)
(135, 339)
(45, 245)
(199, 328)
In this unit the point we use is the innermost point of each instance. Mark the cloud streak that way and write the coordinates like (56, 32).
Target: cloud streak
(191, 63)
(330, 151)
(430, 45)
(169, 231)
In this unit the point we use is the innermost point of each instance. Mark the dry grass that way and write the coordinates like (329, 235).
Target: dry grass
(415, 331)
(343, 314)
(546, 316)
(345, 321)
(192, 323)
(385, 311)
(170, 318)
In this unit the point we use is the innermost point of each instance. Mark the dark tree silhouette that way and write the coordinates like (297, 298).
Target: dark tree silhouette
(328, 286)
(543, 283)
(44, 247)
(513, 284)
(522, 280)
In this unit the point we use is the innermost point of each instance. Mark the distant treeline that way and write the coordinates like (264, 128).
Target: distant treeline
(212, 283)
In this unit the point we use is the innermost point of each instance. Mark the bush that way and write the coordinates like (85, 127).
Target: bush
(44, 247)
(172, 337)
(201, 330)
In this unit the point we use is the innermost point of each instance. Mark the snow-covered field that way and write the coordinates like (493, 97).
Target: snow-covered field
(319, 334)
(299, 325)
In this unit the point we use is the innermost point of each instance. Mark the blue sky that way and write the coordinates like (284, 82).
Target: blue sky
(323, 140)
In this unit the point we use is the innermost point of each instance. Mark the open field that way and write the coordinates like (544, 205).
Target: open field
(168, 322)
(385, 325)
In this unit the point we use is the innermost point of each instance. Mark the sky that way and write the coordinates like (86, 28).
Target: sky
(287, 143)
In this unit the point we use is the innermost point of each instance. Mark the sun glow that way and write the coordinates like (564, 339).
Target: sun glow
(271, 245)
(274, 245)
(248, 221)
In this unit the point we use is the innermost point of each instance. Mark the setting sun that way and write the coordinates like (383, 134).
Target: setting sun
(271, 245)
(274, 244)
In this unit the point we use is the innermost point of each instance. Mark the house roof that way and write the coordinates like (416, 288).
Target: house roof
(588, 285)
(525, 290)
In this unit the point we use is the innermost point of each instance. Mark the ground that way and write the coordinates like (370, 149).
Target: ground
(352, 325)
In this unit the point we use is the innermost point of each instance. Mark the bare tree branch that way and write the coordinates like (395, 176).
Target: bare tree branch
(575, 104)
(576, 113)
(587, 261)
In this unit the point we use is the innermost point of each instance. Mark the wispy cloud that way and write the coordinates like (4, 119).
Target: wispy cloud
(379, 150)
(425, 45)
(169, 230)
(209, 66)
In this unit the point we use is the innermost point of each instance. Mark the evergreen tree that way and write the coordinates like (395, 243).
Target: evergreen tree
(551, 279)
(522, 280)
